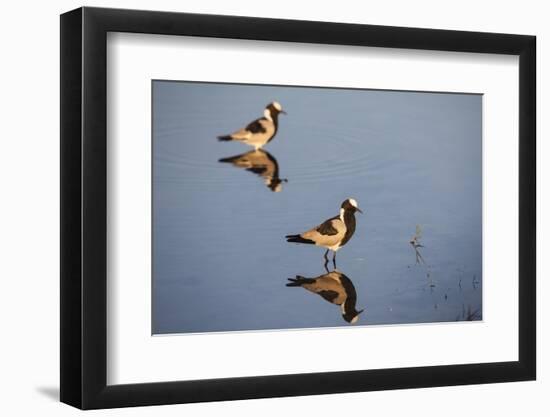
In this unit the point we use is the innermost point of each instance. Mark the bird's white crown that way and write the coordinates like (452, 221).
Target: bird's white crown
(352, 202)
(277, 105)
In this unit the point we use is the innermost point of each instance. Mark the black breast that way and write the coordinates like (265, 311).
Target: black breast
(349, 221)
(275, 118)
(349, 288)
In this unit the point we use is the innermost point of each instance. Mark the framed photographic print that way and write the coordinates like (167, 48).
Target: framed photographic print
(257, 208)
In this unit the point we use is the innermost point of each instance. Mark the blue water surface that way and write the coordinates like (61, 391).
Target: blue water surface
(220, 260)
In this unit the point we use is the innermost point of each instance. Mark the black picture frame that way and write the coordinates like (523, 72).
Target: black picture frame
(84, 207)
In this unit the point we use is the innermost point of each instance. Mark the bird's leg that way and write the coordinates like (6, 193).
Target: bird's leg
(326, 259)
(334, 260)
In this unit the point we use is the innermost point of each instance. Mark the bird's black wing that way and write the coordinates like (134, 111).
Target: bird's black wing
(256, 126)
(258, 169)
(327, 228)
(328, 295)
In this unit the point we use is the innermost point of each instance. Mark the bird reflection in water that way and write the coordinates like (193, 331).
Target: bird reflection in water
(261, 163)
(334, 287)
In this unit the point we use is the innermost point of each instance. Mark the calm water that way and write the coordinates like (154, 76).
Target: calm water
(220, 260)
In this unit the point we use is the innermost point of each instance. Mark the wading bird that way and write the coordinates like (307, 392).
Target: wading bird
(333, 233)
(259, 132)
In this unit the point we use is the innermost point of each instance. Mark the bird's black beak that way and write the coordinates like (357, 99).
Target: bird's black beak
(359, 210)
(284, 112)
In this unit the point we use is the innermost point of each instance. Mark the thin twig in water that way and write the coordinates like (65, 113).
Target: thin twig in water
(415, 243)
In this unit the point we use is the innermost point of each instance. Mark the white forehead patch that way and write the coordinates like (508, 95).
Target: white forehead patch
(354, 320)
(352, 202)
(277, 105)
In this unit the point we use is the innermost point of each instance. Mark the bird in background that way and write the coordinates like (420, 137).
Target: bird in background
(259, 132)
(333, 233)
(262, 163)
(334, 287)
